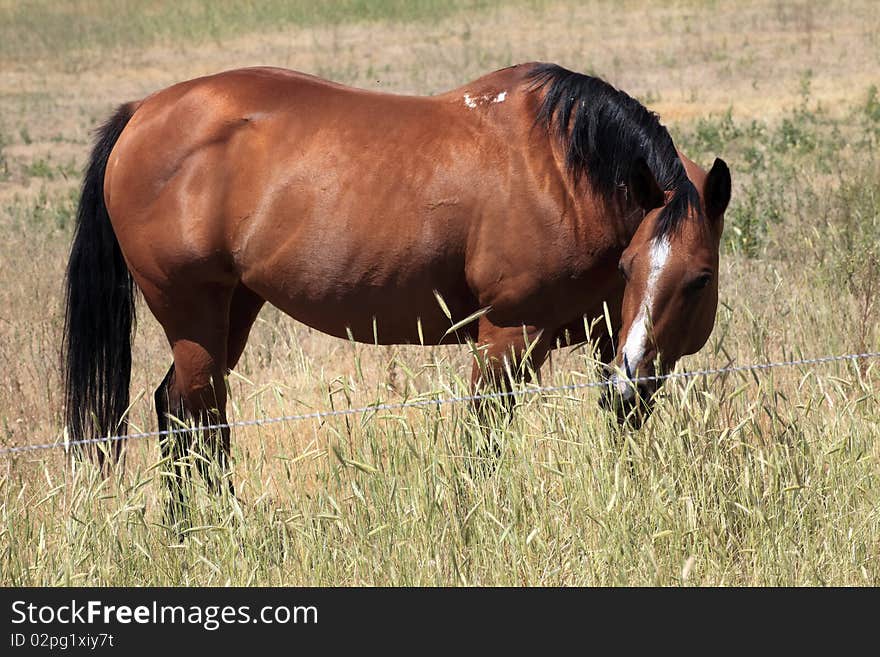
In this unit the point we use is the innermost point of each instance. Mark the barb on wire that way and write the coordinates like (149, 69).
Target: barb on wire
(439, 401)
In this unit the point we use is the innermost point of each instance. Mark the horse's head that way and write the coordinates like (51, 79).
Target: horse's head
(671, 290)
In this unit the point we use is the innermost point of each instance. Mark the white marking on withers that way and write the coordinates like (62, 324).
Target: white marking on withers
(471, 102)
(637, 339)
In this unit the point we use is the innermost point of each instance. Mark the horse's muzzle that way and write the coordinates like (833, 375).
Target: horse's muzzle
(632, 403)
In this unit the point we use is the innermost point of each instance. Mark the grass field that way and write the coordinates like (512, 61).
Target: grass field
(736, 480)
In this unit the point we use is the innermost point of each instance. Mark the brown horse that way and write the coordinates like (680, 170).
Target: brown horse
(536, 194)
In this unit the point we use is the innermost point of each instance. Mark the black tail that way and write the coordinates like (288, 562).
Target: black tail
(100, 310)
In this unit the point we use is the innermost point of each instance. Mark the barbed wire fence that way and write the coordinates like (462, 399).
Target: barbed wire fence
(62, 442)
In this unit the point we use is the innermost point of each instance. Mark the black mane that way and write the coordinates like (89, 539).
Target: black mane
(606, 131)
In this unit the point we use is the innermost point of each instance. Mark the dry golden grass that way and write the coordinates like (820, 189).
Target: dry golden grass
(573, 501)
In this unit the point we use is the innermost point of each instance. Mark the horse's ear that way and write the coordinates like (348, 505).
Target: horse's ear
(716, 190)
(643, 186)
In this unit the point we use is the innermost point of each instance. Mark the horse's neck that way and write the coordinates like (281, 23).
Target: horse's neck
(623, 220)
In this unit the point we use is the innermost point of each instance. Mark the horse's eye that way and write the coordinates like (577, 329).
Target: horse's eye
(622, 271)
(699, 282)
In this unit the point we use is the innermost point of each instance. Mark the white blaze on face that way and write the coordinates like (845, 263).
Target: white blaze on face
(637, 340)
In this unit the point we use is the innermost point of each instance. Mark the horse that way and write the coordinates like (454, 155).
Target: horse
(531, 198)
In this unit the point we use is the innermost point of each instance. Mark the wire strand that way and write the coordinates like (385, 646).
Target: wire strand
(436, 401)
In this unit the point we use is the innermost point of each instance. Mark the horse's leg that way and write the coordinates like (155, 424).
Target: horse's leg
(214, 460)
(196, 323)
(173, 448)
(243, 313)
(215, 453)
(507, 355)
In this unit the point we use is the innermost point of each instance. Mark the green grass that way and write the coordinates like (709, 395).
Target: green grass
(37, 29)
(787, 166)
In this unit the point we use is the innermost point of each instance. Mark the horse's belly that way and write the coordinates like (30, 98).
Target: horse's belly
(372, 316)
(382, 301)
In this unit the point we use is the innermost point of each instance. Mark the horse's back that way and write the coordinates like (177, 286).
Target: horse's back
(325, 200)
